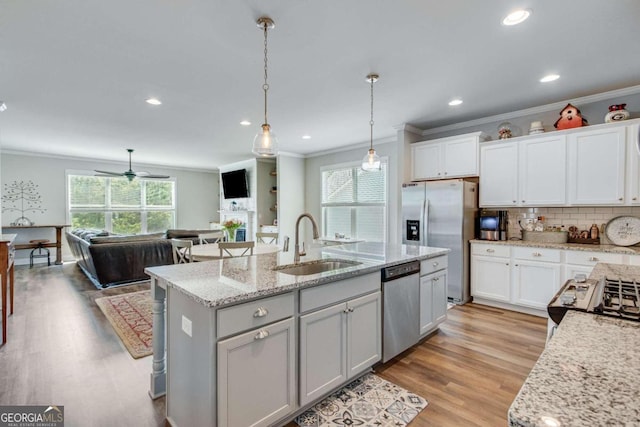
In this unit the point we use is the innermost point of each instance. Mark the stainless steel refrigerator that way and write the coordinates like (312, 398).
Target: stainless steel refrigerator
(443, 214)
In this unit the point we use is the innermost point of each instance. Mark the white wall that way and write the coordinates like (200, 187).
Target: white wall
(313, 184)
(197, 192)
(291, 197)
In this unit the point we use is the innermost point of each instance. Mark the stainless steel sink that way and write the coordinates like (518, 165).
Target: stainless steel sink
(315, 267)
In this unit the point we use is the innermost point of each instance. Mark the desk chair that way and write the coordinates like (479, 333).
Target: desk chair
(181, 251)
(213, 237)
(271, 238)
(226, 247)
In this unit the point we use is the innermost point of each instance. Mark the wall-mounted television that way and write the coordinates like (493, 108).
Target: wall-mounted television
(234, 184)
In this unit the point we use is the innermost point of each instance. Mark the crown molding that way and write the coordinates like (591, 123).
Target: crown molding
(409, 128)
(365, 145)
(632, 90)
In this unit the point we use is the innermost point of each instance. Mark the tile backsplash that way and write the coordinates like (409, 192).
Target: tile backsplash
(582, 217)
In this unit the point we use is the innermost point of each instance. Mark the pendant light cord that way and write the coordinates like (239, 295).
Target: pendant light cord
(265, 86)
(371, 121)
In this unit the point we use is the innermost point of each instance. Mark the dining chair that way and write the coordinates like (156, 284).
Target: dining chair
(212, 237)
(271, 238)
(181, 251)
(227, 247)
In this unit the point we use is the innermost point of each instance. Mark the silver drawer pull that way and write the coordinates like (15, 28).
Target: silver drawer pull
(435, 279)
(262, 334)
(435, 264)
(593, 258)
(261, 312)
(491, 250)
(537, 254)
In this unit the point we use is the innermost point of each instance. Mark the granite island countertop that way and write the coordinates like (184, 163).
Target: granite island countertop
(625, 250)
(589, 373)
(232, 280)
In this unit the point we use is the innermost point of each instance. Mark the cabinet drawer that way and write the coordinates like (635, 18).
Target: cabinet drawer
(486, 249)
(331, 293)
(592, 258)
(537, 254)
(433, 264)
(253, 314)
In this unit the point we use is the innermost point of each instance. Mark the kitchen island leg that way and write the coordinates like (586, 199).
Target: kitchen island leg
(158, 386)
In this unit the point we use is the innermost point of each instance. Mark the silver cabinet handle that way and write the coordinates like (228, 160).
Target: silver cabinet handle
(435, 279)
(620, 198)
(635, 198)
(523, 201)
(506, 263)
(593, 258)
(262, 334)
(514, 201)
(350, 309)
(435, 264)
(445, 173)
(536, 254)
(346, 310)
(261, 312)
(491, 250)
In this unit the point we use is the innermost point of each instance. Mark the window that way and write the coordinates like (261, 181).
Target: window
(121, 206)
(354, 202)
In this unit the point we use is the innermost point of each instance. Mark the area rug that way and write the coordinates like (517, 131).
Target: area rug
(131, 317)
(367, 401)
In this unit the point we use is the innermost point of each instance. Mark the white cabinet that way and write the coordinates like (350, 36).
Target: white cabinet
(433, 301)
(446, 158)
(584, 261)
(337, 343)
(536, 276)
(597, 166)
(490, 278)
(529, 172)
(499, 174)
(256, 376)
(633, 164)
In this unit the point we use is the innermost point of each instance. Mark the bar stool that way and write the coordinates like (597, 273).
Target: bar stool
(42, 251)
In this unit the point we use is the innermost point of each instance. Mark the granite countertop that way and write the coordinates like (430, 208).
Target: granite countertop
(588, 375)
(628, 250)
(226, 281)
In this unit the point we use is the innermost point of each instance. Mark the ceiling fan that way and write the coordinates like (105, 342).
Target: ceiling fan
(130, 174)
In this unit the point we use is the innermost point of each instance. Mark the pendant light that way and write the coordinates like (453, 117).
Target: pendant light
(265, 144)
(371, 161)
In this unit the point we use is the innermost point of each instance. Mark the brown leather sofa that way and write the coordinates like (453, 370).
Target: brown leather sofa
(110, 260)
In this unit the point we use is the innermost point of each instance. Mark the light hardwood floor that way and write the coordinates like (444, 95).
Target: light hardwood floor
(61, 350)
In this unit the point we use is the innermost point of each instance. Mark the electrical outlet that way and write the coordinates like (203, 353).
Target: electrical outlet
(186, 325)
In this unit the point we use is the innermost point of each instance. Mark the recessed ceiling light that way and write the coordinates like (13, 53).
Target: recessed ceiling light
(516, 17)
(306, 136)
(549, 78)
(245, 123)
(153, 101)
(455, 102)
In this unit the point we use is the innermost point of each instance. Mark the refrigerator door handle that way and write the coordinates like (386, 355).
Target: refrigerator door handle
(424, 216)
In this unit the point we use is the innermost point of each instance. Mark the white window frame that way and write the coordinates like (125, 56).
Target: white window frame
(108, 210)
(385, 204)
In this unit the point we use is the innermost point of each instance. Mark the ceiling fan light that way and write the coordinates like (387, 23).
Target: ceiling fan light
(265, 143)
(371, 161)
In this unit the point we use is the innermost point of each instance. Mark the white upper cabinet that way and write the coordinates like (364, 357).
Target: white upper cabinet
(451, 157)
(633, 163)
(543, 171)
(597, 166)
(499, 174)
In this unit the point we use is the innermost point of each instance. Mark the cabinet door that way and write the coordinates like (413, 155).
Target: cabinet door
(633, 156)
(425, 161)
(433, 300)
(597, 166)
(461, 157)
(570, 271)
(323, 349)
(490, 278)
(499, 174)
(535, 283)
(543, 171)
(364, 333)
(256, 376)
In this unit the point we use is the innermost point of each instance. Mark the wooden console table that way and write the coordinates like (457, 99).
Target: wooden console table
(57, 244)
(7, 251)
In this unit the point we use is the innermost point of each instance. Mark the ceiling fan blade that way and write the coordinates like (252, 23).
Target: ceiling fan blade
(108, 173)
(154, 176)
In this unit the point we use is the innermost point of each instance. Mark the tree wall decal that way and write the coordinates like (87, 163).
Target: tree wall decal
(22, 196)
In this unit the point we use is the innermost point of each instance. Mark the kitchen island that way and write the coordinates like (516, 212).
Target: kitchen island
(249, 344)
(589, 373)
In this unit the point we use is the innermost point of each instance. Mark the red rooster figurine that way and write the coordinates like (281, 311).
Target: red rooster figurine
(570, 118)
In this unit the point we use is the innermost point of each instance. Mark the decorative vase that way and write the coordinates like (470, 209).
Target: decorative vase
(231, 234)
(616, 113)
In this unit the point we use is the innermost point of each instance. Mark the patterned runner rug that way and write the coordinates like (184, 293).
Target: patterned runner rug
(367, 401)
(131, 317)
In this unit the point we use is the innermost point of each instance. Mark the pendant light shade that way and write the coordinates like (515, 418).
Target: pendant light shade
(265, 143)
(371, 161)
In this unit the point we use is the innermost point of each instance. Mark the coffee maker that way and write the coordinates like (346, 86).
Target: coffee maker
(493, 225)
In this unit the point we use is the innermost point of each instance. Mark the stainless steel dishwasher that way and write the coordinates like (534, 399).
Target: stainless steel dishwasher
(401, 308)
